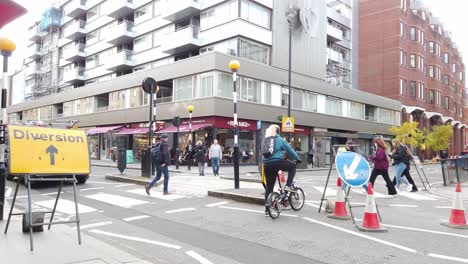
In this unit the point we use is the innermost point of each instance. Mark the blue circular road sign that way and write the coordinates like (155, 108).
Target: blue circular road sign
(352, 168)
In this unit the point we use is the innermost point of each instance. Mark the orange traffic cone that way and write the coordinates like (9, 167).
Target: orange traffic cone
(457, 216)
(339, 211)
(371, 219)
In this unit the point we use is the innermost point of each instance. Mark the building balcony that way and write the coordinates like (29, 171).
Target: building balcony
(32, 69)
(338, 17)
(334, 56)
(120, 8)
(34, 52)
(35, 35)
(76, 30)
(75, 8)
(183, 9)
(334, 34)
(435, 20)
(182, 40)
(121, 33)
(119, 61)
(75, 53)
(74, 76)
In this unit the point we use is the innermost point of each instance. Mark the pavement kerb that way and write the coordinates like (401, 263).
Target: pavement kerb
(128, 168)
(237, 197)
(241, 179)
(130, 179)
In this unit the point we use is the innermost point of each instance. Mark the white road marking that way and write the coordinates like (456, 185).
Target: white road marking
(361, 235)
(417, 197)
(403, 205)
(19, 196)
(107, 183)
(180, 210)
(90, 189)
(116, 200)
(133, 218)
(125, 185)
(199, 258)
(8, 192)
(330, 191)
(52, 193)
(447, 257)
(216, 204)
(443, 207)
(376, 194)
(158, 195)
(427, 231)
(137, 239)
(94, 225)
(252, 211)
(66, 206)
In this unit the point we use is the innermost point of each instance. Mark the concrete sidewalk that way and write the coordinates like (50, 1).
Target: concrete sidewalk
(448, 191)
(57, 246)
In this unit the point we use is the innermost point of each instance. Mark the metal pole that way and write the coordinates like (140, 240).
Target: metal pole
(236, 134)
(4, 121)
(177, 148)
(189, 154)
(289, 77)
(150, 135)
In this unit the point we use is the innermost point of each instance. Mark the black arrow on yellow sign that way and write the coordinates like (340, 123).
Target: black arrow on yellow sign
(51, 150)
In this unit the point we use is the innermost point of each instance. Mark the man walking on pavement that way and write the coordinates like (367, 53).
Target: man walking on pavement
(160, 155)
(215, 156)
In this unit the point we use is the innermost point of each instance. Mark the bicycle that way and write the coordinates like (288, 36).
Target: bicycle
(277, 201)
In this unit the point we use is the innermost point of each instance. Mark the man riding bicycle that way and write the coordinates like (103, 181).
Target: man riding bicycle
(273, 160)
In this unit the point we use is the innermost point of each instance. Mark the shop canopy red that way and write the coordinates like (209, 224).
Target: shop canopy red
(183, 128)
(9, 11)
(132, 131)
(100, 130)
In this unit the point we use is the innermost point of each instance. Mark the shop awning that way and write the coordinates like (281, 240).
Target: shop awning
(183, 128)
(100, 130)
(132, 131)
(9, 11)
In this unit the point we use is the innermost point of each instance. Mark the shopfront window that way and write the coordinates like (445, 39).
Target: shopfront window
(246, 145)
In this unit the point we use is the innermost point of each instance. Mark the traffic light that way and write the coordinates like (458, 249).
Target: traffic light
(176, 121)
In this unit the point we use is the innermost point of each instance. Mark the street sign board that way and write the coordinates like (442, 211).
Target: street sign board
(287, 124)
(39, 150)
(129, 156)
(352, 168)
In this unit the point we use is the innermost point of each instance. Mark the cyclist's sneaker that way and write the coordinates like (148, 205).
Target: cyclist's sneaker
(290, 189)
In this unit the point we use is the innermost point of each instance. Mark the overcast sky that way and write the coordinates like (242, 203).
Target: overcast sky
(451, 12)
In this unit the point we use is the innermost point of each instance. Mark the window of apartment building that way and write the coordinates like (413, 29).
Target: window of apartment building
(454, 87)
(309, 102)
(413, 32)
(284, 97)
(438, 73)
(184, 88)
(412, 60)
(219, 14)
(421, 91)
(92, 38)
(296, 99)
(431, 71)
(93, 13)
(356, 110)
(439, 98)
(421, 37)
(460, 76)
(251, 91)
(447, 103)
(403, 87)
(92, 61)
(431, 47)
(446, 58)
(205, 88)
(402, 29)
(455, 107)
(255, 13)
(454, 68)
(421, 63)
(403, 5)
(403, 58)
(446, 80)
(438, 49)
(413, 89)
(431, 97)
(254, 51)
(142, 43)
(228, 47)
(333, 106)
(144, 13)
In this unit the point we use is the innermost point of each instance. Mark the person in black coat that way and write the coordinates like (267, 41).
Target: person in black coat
(200, 154)
(406, 172)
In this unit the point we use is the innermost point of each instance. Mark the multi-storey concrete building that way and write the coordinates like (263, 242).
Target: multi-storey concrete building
(106, 48)
(405, 54)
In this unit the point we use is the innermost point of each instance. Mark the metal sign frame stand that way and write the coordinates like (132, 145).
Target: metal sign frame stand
(27, 178)
(419, 174)
(332, 164)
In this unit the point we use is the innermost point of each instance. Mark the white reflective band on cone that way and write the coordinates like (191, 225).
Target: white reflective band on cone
(458, 202)
(370, 205)
(339, 194)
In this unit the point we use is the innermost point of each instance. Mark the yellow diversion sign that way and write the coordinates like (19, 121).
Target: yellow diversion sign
(39, 150)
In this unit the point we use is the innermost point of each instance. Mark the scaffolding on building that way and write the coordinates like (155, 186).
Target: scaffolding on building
(338, 74)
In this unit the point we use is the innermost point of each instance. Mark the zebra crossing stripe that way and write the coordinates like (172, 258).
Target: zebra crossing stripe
(66, 206)
(158, 195)
(117, 200)
(330, 192)
(417, 197)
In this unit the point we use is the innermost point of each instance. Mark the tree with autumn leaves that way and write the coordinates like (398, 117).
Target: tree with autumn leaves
(438, 139)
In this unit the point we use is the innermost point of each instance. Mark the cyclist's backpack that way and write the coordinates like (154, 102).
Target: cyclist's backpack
(268, 147)
(156, 153)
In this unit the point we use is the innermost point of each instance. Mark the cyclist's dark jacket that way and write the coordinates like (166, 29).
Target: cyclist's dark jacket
(280, 146)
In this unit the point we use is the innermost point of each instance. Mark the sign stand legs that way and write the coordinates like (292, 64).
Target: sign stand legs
(76, 209)
(419, 174)
(55, 205)
(12, 204)
(349, 204)
(326, 183)
(28, 180)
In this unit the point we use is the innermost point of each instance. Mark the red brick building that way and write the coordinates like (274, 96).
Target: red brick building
(406, 54)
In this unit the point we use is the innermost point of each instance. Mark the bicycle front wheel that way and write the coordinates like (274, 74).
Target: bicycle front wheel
(274, 206)
(297, 199)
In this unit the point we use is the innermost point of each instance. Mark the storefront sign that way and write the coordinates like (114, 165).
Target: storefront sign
(39, 150)
(129, 156)
(301, 130)
(224, 122)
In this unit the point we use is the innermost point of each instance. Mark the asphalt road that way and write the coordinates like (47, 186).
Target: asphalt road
(189, 227)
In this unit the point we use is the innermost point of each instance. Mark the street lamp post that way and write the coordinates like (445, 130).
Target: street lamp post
(190, 146)
(6, 48)
(150, 86)
(234, 65)
(291, 17)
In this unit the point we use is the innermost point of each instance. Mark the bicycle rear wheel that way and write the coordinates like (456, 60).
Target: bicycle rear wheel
(297, 199)
(274, 206)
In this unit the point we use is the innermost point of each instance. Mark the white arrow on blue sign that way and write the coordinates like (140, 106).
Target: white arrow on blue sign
(352, 168)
